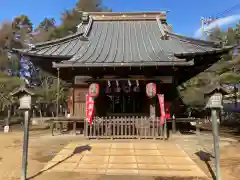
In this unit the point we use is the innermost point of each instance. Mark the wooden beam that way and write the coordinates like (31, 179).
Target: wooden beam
(85, 79)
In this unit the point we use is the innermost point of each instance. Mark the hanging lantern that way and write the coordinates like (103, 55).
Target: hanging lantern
(151, 90)
(94, 90)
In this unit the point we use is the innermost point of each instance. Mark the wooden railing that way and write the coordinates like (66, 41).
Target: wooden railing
(125, 128)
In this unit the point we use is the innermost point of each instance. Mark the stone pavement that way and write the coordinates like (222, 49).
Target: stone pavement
(158, 158)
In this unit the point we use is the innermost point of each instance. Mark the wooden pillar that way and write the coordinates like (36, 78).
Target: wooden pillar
(74, 127)
(198, 127)
(173, 125)
(73, 102)
(152, 108)
(58, 90)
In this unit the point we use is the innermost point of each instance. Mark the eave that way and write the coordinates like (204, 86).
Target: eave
(206, 53)
(54, 57)
(137, 64)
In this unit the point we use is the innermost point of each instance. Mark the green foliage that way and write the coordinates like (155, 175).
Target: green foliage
(7, 85)
(71, 18)
(22, 22)
(46, 30)
(229, 78)
(91, 6)
(224, 71)
(46, 24)
(48, 92)
(193, 96)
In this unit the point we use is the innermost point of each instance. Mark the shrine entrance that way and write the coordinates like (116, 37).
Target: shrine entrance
(123, 110)
(122, 98)
(128, 98)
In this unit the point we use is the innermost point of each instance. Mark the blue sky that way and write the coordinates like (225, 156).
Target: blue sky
(184, 15)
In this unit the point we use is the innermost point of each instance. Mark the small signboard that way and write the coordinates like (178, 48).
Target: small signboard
(25, 102)
(6, 129)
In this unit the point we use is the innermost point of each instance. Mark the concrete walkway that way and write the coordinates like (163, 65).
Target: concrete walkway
(160, 158)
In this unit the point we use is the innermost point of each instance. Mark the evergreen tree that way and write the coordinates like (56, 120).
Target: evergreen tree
(71, 18)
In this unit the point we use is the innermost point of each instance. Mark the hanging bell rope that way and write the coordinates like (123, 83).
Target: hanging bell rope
(129, 83)
(137, 83)
(117, 83)
(109, 83)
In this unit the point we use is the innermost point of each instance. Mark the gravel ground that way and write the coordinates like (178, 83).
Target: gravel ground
(43, 147)
(200, 149)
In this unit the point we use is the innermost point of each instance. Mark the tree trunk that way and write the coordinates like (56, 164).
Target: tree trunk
(8, 117)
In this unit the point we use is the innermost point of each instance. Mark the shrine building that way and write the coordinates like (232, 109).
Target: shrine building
(121, 54)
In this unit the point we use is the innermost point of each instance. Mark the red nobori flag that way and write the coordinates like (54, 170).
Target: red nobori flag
(161, 103)
(89, 108)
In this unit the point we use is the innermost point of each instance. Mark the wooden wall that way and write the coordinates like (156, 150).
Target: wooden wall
(79, 100)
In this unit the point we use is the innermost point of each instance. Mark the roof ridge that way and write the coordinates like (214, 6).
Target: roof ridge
(132, 13)
(121, 16)
(89, 26)
(162, 29)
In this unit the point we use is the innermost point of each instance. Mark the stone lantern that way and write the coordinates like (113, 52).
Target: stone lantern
(24, 96)
(214, 98)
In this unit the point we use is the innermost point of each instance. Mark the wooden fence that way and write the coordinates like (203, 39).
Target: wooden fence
(125, 128)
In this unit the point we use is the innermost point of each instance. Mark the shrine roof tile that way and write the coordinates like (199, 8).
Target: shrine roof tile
(118, 42)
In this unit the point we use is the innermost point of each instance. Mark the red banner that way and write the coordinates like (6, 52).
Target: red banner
(162, 110)
(89, 108)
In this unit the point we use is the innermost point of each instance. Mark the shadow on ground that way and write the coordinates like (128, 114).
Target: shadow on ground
(206, 157)
(77, 150)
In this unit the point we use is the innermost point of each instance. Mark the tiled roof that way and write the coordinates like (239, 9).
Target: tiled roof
(124, 40)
